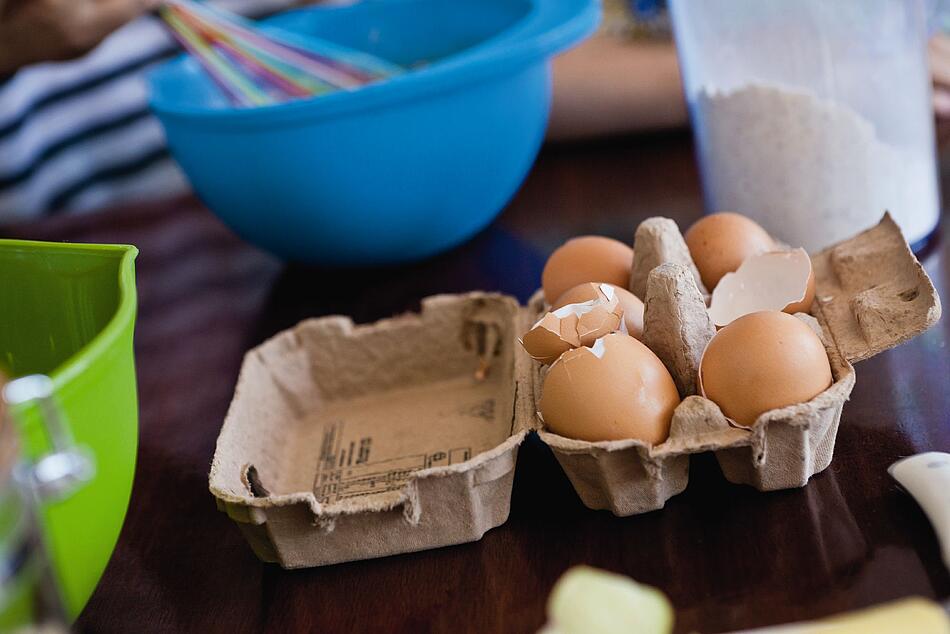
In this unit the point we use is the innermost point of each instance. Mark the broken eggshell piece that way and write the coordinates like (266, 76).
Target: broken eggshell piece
(630, 304)
(574, 325)
(776, 280)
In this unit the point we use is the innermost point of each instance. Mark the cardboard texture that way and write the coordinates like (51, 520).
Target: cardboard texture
(676, 324)
(658, 241)
(871, 292)
(348, 442)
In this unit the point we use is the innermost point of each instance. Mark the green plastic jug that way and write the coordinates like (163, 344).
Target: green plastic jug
(68, 311)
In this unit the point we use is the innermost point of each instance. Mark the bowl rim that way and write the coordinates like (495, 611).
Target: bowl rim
(98, 346)
(547, 27)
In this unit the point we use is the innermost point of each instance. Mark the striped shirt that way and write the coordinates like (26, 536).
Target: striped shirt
(77, 136)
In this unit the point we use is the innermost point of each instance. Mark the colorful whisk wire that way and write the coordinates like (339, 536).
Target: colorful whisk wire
(255, 67)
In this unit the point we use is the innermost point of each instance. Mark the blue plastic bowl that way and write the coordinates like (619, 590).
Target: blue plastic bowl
(395, 171)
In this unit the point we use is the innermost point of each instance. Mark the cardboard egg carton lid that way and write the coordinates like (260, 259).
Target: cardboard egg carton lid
(350, 441)
(871, 292)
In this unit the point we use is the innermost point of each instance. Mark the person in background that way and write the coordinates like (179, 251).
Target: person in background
(76, 134)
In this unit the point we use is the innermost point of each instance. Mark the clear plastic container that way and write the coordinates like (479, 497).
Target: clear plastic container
(812, 117)
(30, 596)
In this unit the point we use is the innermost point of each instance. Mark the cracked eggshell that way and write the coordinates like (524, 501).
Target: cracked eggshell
(545, 341)
(720, 243)
(761, 362)
(574, 325)
(586, 259)
(776, 280)
(615, 390)
(630, 304)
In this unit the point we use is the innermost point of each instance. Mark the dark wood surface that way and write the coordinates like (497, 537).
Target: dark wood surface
(727, 556)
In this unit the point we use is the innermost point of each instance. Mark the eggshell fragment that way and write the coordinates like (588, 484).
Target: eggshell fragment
(545, 342)
(586, 259)
(658, 241)
(763, 361)
(630, 303)
(776, 280)
(615, 390)
(574, 325)
(720, 243)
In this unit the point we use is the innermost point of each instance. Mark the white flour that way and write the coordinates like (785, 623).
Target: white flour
(811, 171)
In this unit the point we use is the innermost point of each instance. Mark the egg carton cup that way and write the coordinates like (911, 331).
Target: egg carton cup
(871, 295)
(347, 442)
(782, 450)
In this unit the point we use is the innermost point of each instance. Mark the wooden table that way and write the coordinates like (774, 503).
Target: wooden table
(726, 555)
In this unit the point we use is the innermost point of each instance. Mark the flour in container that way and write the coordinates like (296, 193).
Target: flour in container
(811, 171)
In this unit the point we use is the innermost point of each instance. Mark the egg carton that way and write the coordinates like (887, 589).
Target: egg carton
(871, 294)
(347, 442)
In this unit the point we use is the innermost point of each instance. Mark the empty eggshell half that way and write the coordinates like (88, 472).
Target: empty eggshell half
(776, 280)
(574, 325)
(630, 303)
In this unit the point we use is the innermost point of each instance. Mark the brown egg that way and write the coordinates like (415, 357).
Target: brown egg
(586, 259)
(719, 243)
(763, 361)
(631, 304)
(615, 390)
